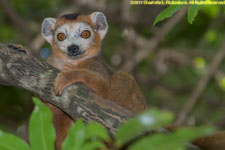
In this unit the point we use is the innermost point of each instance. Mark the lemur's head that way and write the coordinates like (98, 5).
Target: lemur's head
(75, 36)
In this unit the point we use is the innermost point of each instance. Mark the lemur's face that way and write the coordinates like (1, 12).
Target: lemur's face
(75, 36)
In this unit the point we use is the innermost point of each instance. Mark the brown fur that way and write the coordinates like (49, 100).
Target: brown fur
(81, 18)
(213, 142)
(91, 70)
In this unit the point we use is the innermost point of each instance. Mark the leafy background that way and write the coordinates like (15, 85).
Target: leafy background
(167, 74)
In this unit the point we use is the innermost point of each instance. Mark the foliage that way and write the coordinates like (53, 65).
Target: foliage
(85, 137)
(168, 12)
(41, 130)
(192, 12)
(93, 135)
(176, 141)
(11, 142)
(149, 120)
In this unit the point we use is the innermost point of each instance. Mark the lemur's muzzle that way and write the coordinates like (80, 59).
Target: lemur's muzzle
(73, 50)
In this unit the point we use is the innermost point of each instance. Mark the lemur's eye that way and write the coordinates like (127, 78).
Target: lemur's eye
(86, 34)
(61, 36)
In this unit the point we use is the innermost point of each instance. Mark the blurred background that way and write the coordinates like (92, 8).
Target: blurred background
(179, 66)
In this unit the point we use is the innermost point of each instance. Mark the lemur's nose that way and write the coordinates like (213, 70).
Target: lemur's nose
(73, 49)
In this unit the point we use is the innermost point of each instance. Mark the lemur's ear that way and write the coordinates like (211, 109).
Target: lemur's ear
(47, 28)
(101, 25)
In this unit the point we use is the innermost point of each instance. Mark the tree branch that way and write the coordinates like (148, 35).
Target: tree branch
(22, 70)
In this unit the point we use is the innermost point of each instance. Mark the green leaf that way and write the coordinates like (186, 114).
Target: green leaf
(192, 12)
(76, 137)
(149, 120)
(95, 130)
(173, 141)
(96, 134)
(41, 130)
(11, 142)
(168, 12)
(81, 137)
(94, 145)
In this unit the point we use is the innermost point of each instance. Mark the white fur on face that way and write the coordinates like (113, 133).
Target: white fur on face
(73, 36)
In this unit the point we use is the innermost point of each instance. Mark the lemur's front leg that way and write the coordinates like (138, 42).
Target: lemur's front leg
(90, 78)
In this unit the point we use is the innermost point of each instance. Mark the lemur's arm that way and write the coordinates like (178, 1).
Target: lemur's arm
(92, 79)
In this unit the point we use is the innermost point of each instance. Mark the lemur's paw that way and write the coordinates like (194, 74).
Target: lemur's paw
(59, 84)
(18, 47)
